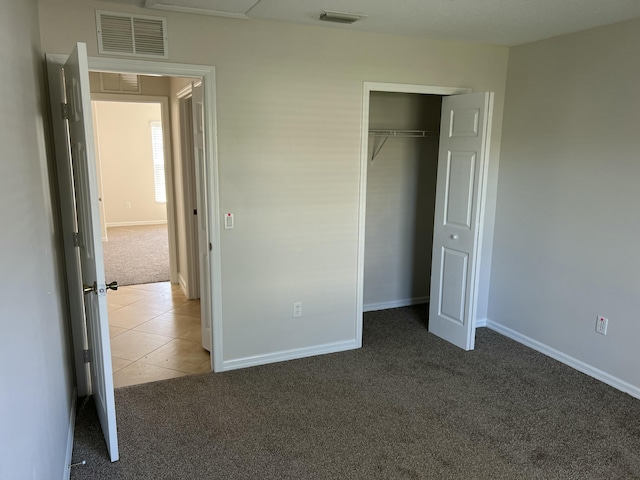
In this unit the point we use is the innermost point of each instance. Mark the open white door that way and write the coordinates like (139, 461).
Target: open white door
(103, 217)
(197, 101)
(76, 78)
(464, 145)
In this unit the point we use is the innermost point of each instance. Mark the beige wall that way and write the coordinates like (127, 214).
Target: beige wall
(567, 230)
(123, 139)
(401, 190)
(36, 380)
(289, 108)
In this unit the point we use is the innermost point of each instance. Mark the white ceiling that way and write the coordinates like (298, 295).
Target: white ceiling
(503, 22)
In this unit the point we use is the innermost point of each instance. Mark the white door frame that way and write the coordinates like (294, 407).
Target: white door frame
(207, 74)
(168, 165)
(189, 184)
(369, 87)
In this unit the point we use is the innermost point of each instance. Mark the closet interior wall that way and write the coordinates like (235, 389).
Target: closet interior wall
(401, 184)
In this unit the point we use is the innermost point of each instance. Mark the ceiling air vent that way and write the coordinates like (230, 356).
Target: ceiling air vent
(340, 17)
(132, 35)
(119, 82)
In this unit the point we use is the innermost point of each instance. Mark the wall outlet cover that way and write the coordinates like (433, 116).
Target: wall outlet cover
(602, 324)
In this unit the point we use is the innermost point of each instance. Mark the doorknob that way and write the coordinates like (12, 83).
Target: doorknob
(94, 288)
(454, 236)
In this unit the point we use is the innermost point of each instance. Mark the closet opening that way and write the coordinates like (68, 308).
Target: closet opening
(423, 175)
(402, 166)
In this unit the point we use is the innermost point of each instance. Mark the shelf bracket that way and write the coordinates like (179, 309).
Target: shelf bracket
(376, 151)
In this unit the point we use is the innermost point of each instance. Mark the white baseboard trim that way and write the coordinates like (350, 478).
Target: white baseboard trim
(566, 359)
(71, 431)
(481, 322)
(288, 355)
(183, 285)
(135, 224)
(406, 302)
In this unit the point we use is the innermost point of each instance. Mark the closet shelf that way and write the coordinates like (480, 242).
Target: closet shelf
(386, 134)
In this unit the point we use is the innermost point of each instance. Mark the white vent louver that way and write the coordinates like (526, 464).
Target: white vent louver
(119, 82)
(132, 35)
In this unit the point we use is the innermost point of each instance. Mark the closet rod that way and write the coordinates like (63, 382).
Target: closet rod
(403, 133)
(399, 134)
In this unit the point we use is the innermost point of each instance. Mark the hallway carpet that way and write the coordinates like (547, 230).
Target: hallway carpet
(137, 254)
(406, 406)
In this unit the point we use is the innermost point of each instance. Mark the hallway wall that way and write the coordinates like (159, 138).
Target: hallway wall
(123, 139)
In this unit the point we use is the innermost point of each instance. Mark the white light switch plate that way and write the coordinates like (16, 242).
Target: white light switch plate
(228, 221)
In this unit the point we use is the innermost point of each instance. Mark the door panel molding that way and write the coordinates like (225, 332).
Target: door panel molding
(459, 216)
(457, 209)
(453, 280)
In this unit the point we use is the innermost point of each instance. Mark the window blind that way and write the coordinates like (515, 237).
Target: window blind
(158, 162)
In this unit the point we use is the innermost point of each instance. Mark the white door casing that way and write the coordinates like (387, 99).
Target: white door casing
(190, 281)
(464, 144)
(55, 63)
(189, 175)
(197, 103)
(76, 74)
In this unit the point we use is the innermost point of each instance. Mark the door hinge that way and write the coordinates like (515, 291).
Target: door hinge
(65, 111)
(195, 211)
(85, 356)
(210, 246)
(76, 239)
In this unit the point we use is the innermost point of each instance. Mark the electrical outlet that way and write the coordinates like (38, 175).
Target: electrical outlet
(602, 324)
(297, 309)
(127, 204)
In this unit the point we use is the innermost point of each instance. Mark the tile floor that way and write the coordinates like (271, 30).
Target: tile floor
(155, 334)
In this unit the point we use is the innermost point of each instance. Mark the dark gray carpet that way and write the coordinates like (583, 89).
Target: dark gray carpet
(137, 254)
(405, 406)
